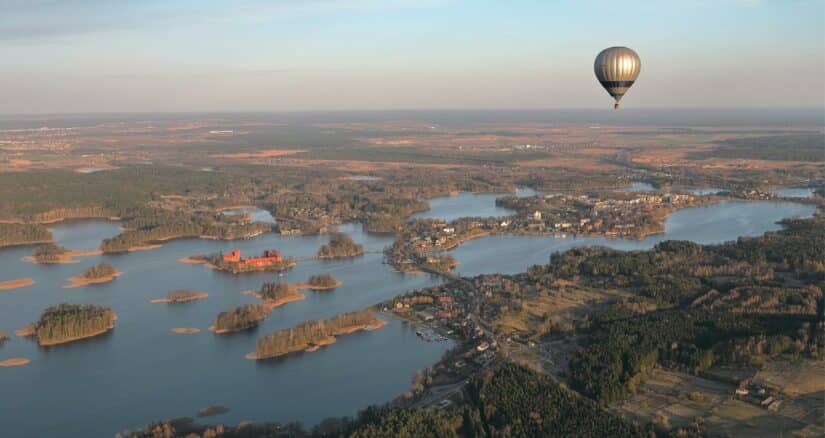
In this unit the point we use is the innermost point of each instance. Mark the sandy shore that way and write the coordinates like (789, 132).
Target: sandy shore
(271, 304)
(26, 331)
(198, 296)
(16, 284)
(14, 362)
(186, 330)
(79, 280)
(144, 247)
(192, 261)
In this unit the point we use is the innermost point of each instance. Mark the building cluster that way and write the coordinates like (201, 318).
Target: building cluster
(269, 257)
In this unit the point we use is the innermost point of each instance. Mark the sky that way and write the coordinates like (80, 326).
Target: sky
(76, 56)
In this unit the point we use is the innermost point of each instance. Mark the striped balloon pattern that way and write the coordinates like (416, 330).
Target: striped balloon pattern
(617, 68)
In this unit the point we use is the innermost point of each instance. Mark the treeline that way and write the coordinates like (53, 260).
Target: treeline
(796, 147)
(49, 253)
(20, 234)
(309, 333)
(619, 351)
(152, 225)
(99, 271)
(67, 322)
(41, 194)
(240, 318)
(507, 401)
(340, 245)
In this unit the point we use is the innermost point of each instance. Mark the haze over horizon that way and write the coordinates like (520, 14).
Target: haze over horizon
(97, 56)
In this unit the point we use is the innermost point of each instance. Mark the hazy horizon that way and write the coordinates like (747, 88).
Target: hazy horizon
(95, 56)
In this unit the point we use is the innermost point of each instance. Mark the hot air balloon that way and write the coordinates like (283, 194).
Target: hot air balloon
(616, 69)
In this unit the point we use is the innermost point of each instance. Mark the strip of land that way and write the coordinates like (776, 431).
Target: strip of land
(79, 280)
(186, 330)
(16, 284)
(14, 362)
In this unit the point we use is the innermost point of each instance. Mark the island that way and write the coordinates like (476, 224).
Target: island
(311, 335)
(101, 273)
(71, 322)
(239, 318)
(14, 362)
(212, 410)
(340, 246)
(16, 284)
(322, 282)
(180, 296)
(185, 330)
(235, 263)
(3, 337)
(53, 254)
(277, 294)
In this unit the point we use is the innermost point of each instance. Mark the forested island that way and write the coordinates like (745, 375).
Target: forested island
(321, 282)
(100, 273)
(12, 234)
(310, 335)
(49, 253)
(340, 246)
(276, 294)
(180, 296)
(240, 318)
(70, 322)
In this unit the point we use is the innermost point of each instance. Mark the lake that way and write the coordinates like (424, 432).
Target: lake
(140, 372)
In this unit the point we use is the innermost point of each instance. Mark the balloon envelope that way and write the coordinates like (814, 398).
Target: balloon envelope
(617, 69)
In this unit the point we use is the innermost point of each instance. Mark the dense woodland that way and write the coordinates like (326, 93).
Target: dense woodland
(66, 322)
(309, 333)
(340, 245)
(49, 253)
(149, 225)
(506, 401)
(240, 318)
(99, 271)
(739, 302)
(322, 280)
(274, 291)
(19, 234)
(795, 147)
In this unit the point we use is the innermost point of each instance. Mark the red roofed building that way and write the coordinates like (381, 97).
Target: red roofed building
(269, 257)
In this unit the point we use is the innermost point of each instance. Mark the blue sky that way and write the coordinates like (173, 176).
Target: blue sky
(208, 55)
